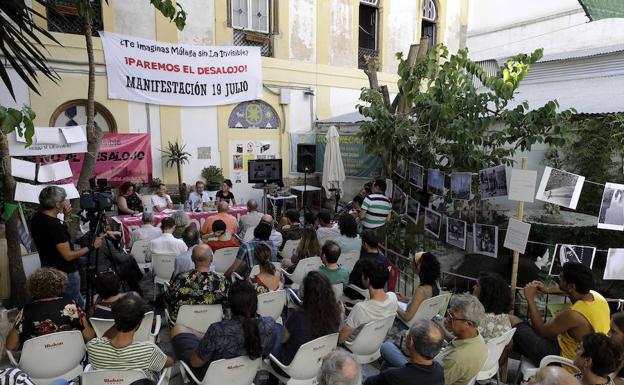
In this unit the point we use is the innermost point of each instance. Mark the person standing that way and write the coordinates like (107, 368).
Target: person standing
(376, 210)
(198, 197)
(161, 200)
(54, 244)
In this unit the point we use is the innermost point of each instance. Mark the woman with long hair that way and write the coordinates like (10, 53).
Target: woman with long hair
(427, 267)
(349, 240)
(269, 279)
(308, 246)
(128, 201)
(597, 357)
(495, 296)
(245, 334)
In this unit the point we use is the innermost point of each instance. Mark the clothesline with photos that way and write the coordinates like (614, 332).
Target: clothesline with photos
(556, 187)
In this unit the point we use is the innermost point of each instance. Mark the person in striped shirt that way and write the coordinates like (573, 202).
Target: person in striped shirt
(376, 208)
(116, 350)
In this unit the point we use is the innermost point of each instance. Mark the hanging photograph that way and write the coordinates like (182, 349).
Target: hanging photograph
(456, 232)
(485, 239)
(413, 207)
(571, 253)
(435, 182)
(398, 200)
(389, 185)
(560, 187)
(401, 168)
(433, 221)
(416, 175)
(493, 182)
(615, 264)
(461, 185)
(611, 215)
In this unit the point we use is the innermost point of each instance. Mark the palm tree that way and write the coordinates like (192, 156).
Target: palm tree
(176, 156)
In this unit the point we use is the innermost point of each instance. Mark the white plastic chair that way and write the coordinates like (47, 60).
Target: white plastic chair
(428, 309)
(164, 266)
(140, 252)
(52, 356)
(108, 377)
(363, 292)
(348, 260)
(224, 258)
(365, 347)
(303, 267)
(272, 303)
(249, 234)
(495, 346)
(143, 334)
(307, 362)
(289, 247)
(338, 290)
(235, 371)
(31, 263)
(255, 270)
(199, 317)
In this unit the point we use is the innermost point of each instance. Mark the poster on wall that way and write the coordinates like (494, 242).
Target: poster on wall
(150, 71)
(240, 153)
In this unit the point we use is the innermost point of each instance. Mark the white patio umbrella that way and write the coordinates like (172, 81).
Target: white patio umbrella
(333, 169)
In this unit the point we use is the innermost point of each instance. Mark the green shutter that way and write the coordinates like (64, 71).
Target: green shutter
(603, 9)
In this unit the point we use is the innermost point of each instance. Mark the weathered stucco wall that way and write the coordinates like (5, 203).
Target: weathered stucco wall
(341, 33)
(302, 30)
(399, 31)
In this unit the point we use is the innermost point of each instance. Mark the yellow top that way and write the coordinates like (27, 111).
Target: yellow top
(597, 314)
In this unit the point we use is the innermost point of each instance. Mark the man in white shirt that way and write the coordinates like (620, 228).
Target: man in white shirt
(251, 219)
(147, 231)
(183, 261)
(326, 230)
(198, 197)
(161, 200)
(167, 243)
(380, 305)
(276, 236)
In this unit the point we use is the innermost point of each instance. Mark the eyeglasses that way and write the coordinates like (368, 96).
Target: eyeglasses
(453, 318)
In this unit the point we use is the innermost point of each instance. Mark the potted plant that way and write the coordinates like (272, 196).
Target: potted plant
(213, 176)
(176, 156)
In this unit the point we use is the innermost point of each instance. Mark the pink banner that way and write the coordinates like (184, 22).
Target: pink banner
(122, 158)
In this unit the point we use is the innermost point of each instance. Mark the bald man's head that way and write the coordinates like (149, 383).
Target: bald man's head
(222, 207)
(202, 255)
(267, 218)
(252, 205)
(553, 375)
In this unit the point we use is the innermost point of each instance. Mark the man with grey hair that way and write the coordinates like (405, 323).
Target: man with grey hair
(54, 244)
(424, 342)
(552, 375)
(251, 219)
(147, 231)
(184, 260)
(339, 368)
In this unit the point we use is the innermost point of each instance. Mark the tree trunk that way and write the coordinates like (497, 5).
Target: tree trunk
(16, 267)
(94, 133)
(180, 187)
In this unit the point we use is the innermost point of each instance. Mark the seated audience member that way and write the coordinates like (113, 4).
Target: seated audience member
(183, 261)
(276, 236)
(251, 219)
(161, 200)
(356, 206)
(380, 305)
(128, 201)
(370, 252)
(167, 243)
(219, 237)
(245, 334)
(495, 296)
(310, 219)
(552, 375)
(319, 315)
(48, 312)
(290, 227)
(116, 350)
(182, 221)
(198, 197)
(147, 231)
(427, 267)
(326, 229)
(15, 376)
(330, 252)
(597, 357)
(424, 342)
(231, 223)
(269, 278)
(589, 313)
(198, 286)
(308, 246)
(108, 289)
(225, 194)
(617, 335)
(112, 256)
(348, 240)
(245, 258)
(340, 368)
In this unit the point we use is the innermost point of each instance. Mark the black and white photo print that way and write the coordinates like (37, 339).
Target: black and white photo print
(456, 232)
(560, 187)
(435, 182)
(461, 185)
(398, 200)
(413, 207)
(611, 214)
(433, 222)
(493, 182)
(401, 168)
(485, 239)
(571, 253)
(416, 175)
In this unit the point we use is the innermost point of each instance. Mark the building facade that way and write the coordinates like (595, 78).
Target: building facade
(312, 51)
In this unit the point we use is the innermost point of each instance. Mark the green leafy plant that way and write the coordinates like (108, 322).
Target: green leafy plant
(176, 156)
(213, 176)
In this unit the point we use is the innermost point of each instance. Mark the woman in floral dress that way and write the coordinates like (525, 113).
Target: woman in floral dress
(495, 295)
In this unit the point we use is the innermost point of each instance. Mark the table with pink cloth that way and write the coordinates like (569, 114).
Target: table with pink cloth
(131, 222)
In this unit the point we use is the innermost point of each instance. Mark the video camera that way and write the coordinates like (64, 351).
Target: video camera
(94, 203)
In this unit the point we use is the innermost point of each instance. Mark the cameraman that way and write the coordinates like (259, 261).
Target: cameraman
(113, 257)
(54, 244)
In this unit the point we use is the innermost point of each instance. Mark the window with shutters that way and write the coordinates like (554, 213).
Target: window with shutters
(64, 17)
(368, 44)
(429, 17)
(253, 21)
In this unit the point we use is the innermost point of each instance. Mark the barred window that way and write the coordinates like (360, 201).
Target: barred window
(65, 18)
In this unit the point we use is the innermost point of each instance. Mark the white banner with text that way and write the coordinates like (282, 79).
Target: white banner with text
(154, 72)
